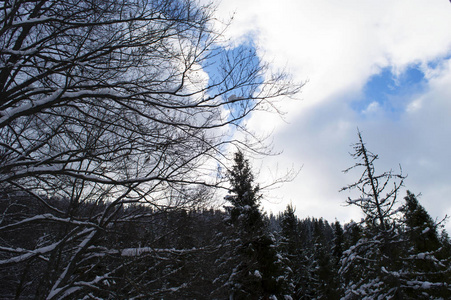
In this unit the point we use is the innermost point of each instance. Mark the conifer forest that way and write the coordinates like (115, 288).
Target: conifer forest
(116, 151)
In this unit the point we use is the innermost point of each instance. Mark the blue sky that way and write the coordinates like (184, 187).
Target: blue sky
(382, 66)
(391, 91)
(243, 55)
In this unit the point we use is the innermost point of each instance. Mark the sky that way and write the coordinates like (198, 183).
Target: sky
(381, 66)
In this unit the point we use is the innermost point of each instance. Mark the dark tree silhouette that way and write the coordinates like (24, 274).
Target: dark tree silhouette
(251, 264)
(107, 102)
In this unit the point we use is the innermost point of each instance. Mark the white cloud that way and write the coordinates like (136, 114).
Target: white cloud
(372, 108)
(337, 46)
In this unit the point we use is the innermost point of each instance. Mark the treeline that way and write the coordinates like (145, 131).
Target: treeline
(236, 253)
(171, 253)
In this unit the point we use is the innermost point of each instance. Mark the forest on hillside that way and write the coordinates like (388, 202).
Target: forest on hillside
(114, 141)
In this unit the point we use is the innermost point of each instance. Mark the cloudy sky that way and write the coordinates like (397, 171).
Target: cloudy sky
(382, 66)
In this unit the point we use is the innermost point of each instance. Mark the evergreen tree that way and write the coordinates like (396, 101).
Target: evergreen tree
(244, 195)
(289, 231)
(292, 250)
(323, 278)
(252, 261)
(370, 268)
(427, 270)
(338, 242)
(420, 228)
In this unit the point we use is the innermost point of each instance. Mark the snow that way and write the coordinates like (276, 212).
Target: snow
(257, 274)
(29, 254)
(33, 21)
(19, 52)
(142, 250)
(10, 113)
(49, 217)
(135, 251)
(175, 289)
(426, 230)
(84, 93)
(67, 291)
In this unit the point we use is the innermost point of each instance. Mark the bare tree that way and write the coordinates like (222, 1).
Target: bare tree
(107, 102)
(370, 268)
(377, 206)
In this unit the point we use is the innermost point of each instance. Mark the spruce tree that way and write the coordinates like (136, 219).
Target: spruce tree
(292, 250)
(369, 269)
(323, 278)
(244, 195)
(338, 242)
(427, 270)
(252, 264)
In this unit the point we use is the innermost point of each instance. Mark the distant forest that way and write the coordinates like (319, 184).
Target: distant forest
(119, 122)
(234, 253)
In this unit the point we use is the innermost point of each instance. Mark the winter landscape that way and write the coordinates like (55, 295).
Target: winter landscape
(179, 149)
